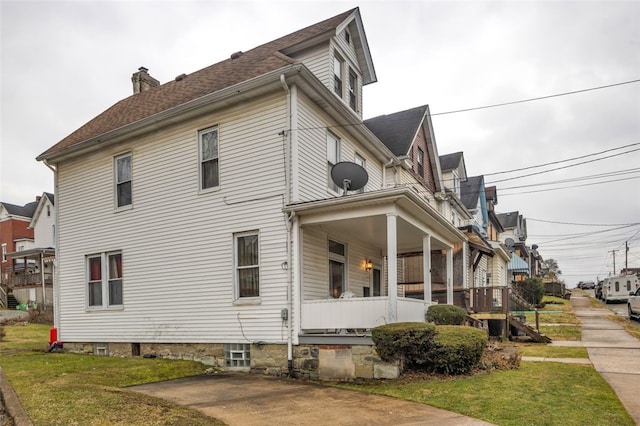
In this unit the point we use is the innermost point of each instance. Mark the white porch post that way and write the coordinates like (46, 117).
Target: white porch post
(426, 256)
(450, 276)
(392, 261)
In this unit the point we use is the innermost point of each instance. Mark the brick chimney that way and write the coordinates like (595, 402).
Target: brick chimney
(142, 81)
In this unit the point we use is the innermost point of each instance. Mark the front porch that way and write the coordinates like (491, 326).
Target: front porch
(356, 253)
(358, 313)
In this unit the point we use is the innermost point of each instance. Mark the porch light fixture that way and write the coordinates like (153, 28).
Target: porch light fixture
(368, 265)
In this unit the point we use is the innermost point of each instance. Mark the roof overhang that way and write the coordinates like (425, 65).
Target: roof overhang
(365, 216)
(34, 253)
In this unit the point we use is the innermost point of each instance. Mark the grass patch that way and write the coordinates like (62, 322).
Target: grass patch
(546, 351)
(631, 327)
(536, 394)
(562, 332)
(72, 389)
(552, 318)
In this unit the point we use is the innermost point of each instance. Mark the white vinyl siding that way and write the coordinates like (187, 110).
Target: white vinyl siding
(319, 62)
(177, 241)
(312, 165)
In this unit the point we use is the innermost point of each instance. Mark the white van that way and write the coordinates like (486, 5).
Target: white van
(617, 288)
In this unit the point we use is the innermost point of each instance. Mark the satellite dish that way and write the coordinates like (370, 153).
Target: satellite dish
(349, 176)
(534, 247)
(509, 243)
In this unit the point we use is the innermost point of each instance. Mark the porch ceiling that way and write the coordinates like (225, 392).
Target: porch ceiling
(364, 217)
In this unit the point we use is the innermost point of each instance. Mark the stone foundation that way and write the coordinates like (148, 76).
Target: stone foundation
(313, 362)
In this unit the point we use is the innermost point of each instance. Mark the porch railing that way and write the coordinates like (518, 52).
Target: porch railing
(357, 312)
(31, 279)
(490, 299)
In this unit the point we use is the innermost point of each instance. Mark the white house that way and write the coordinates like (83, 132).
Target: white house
(198, 218)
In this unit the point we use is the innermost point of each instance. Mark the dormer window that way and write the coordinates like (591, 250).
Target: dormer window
(337, 75)
(347, 37)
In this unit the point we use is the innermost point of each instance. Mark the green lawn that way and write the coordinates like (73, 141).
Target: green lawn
(539, 393)
(71, 389)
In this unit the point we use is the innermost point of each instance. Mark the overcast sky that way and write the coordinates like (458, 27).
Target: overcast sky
(62, 63)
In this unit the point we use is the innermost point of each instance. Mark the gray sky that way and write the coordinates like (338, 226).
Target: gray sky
(62, 63)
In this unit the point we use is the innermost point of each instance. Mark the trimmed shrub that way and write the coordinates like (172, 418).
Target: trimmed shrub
(446, 315)
(403, 341)
(531, 290)
(455, 350)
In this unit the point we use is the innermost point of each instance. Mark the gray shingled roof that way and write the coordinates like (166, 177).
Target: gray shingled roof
(470, 191)
(397, 130)
(26, 211)
(509, 220)
(251, 64)
(450, 161)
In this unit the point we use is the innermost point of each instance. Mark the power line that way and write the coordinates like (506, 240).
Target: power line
(561, 161)
(581, 224)
(535, 99)
(568, 187)
(576, 179)
(564, 167)
(344, 125)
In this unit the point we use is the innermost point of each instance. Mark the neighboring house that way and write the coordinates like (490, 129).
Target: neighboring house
(472, 195)
(409, 135)
(15, 235)
(498, 271)
(515, 237)
(35, 284)
(198, 219)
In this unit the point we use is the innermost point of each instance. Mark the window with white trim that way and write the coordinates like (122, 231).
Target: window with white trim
(209, 158)
(4, 252)
(420, 162)
(104, 280)
(333, 157)
(360, 161)
(337, 75)
(247, 264)
(337, 270)
(353, 90)
(123, 180)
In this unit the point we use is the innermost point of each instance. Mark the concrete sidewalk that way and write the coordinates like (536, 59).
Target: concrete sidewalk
(614, 353)
(251, 399)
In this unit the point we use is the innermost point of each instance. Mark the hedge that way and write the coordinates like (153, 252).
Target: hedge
(455, 349)
(446, 315)
(404, 341)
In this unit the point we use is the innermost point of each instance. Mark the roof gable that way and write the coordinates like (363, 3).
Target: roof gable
(509, 220)
(398, 130)
(246, 66)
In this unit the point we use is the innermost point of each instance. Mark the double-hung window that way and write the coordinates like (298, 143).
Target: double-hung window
(104, 283)
(337, 260)
(337, 75)
(353, 90)
(123, 180)
(420, 162)
(333, 157)
(247, 264)
(209, 158)
(4, 252)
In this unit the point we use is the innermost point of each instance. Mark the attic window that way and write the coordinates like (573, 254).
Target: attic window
(347, 37)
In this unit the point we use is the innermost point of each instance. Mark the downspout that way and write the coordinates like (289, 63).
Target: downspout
(289, 224)
(384, 172)
(54, 286)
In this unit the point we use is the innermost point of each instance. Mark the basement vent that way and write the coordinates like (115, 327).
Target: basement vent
(237, 355)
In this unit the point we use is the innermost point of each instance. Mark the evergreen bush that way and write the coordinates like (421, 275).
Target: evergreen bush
(455, 350)
(403, 341)
(531, 290)
(446, 315)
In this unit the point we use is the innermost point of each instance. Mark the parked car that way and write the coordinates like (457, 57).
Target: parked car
(617, 288)
(588, 285)
(633, 304)
(599, 290)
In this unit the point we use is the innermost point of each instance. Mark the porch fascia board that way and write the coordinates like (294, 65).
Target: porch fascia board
(402, 196)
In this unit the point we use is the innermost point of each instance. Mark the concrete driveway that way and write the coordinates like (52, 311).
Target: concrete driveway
(250, 399)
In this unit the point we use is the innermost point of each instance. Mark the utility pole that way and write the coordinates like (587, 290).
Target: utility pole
(626, 255)
(614, 260)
